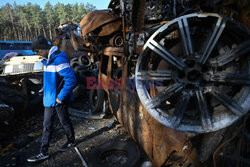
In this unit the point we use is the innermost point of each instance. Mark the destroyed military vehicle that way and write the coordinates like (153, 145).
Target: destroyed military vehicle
(176, 74)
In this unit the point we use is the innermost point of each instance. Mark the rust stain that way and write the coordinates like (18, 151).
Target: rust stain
(113, 51)
(96, 19)
(110, 28)
(160, 143)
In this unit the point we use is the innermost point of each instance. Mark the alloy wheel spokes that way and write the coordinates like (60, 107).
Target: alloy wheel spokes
(180, 109)
(231, 55)
(165, 54)
(205, 87)
(206, 119)
(234, 78)
(164, 95)
(212, 40)
(227, 101)
(155, 75)
(185, 35)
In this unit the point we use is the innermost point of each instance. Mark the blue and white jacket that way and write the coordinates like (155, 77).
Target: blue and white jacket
(58, 78)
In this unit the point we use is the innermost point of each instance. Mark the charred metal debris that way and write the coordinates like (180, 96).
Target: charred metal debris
(199, 53)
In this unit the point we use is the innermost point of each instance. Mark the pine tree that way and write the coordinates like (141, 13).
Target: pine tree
(51, 18)
(24, 22)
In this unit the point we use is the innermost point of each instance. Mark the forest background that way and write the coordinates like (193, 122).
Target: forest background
(25, 22)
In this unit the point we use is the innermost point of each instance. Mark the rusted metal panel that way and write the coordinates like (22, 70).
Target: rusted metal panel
(138, 15)
(110, 28)
(113, 51)
(64, 45)
(96, 19)
(67, 48)
(75, 43)
(109, 69)
(160, 143)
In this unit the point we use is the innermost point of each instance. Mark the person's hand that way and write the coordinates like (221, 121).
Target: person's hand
(40, 92)
(58, 101)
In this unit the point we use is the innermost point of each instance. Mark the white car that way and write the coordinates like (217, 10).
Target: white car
(22, 65)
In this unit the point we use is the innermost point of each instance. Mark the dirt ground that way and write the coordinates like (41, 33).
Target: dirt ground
(88, 133)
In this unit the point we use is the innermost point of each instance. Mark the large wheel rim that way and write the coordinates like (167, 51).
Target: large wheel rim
(191, 77)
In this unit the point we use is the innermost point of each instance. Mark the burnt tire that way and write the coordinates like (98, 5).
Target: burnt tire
(82, 78)
(114, 94)
(74, 59)
(116, 40)
(6, 112)
(117, 73)
(78, 91)
(80, 68)
(102, 156)
(84, 60)
(74, 63)
(96, 99)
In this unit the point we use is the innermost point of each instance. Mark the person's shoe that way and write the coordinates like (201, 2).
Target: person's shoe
(67, 145)
(38, 157)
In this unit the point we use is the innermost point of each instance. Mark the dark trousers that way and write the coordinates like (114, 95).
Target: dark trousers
(62, 113)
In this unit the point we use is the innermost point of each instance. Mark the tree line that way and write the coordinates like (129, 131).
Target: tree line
(24, 22)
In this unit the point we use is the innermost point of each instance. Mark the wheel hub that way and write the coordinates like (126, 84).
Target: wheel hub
(192, 75)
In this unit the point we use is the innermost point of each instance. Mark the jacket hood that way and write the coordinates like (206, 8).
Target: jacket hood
(51, 51)
(52, 55)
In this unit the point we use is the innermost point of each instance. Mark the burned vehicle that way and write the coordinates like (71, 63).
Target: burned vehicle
(176, 74)
(22, 65)
(85, 65)
(20, 81)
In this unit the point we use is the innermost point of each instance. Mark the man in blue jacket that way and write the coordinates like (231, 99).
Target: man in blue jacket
(58, 83)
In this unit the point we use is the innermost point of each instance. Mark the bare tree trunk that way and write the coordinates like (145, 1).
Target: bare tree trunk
(54, 32)
(17, 37)
(12, 21)
(21, 35)
(18, 34)
(25, 34)
(44, 32)
(4, 38)
(50, 32)
(28, 24)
